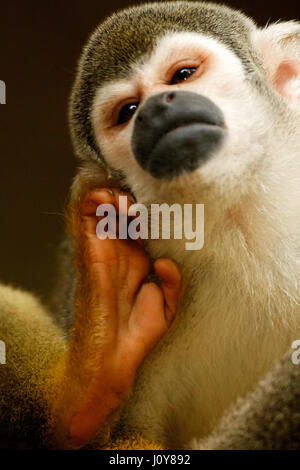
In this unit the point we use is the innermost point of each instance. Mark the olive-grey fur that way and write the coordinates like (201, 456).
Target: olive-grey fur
(268, 419)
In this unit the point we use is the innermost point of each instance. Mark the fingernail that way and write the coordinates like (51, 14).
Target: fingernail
(131, 198)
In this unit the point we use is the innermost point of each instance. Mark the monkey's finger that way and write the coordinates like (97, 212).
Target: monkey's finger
(122, 205)
(88, 207)
(170, 276)
(95, 198)
(147, 321)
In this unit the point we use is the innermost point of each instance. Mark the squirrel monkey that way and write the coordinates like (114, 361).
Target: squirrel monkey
(176, 102)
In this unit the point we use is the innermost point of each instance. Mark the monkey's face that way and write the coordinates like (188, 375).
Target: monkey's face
(179, 99)
(185, 113)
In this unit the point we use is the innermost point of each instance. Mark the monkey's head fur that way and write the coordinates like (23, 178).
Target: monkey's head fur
(190, 102)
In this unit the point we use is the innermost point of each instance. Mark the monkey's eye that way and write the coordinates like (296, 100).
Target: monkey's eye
(127, 112)
(182, 74)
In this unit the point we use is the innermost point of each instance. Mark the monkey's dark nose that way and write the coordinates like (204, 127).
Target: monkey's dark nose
(176, 132)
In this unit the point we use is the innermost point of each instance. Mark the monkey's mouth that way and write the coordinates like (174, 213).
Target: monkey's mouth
(190, 125)
(176, 133)
(184, 149)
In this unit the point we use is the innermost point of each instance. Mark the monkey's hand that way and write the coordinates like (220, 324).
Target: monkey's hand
(119, 318)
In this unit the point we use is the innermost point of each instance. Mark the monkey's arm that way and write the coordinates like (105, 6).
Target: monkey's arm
(78, 389)
(118, 320)
(33, 345)
(268, 419)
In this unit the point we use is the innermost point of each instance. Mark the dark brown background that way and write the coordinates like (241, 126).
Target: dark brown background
(39, 46)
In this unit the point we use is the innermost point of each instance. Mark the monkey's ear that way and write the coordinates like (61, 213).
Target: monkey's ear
(279, 48)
